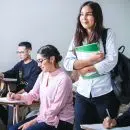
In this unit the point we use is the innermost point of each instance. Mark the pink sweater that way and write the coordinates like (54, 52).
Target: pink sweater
(56, 98)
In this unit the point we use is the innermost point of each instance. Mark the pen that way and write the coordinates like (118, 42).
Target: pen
(8, 88)
(108, 113)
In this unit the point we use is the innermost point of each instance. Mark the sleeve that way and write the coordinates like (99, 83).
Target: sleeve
(12, 73)
(70, 57)
(61, 99)
(124, 120)
(33, 95)
(111, 56)
(33, 77)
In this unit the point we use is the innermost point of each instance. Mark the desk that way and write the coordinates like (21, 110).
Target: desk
(13, 108)
(10, 82)
(14, 105)
(100, 127)
(7, 84)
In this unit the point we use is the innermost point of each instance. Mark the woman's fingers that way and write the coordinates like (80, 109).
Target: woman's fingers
(10, 95)
(20, 127)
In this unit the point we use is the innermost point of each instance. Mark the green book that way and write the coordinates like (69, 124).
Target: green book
(85, 52)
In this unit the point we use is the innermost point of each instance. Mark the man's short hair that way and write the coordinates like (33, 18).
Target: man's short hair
(26, 44)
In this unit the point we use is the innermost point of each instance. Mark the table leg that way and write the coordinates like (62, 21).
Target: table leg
(10, 115)
(16, 113)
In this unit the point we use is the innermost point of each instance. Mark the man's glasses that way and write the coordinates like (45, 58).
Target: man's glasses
(20, 52)
(41, 60)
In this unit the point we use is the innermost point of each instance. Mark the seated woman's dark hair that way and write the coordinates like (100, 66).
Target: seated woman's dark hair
(49, 50)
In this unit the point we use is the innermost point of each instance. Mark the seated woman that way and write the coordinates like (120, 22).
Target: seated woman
(54, 89)
(121, 121)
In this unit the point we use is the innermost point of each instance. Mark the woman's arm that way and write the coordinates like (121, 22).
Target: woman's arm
(63, 96)
(71, 62)
(13, 96)
(121, 121)
(109, 123)
(111, 57)
(81, 64)
(33, 95)
(28, 124)
(28, 98)
(86, 70)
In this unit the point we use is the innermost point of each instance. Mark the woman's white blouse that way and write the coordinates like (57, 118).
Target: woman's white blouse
(100, 85)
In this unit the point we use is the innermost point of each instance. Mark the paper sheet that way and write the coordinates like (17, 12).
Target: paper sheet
(100, 127)
(6, 101)
(92, 127)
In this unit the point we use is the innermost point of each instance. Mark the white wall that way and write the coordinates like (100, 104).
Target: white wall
(52, 22)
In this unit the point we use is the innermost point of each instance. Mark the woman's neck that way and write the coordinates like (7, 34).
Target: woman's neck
(89, 31)
(90, 36)
(54, 68)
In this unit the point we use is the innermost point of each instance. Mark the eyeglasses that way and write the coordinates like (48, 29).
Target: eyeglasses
(20, 52)
(41, 60)
(86, 14)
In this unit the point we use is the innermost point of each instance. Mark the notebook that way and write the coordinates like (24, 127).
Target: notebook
(100, 127)
(86, 52)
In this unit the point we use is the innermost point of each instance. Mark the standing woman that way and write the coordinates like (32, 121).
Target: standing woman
(94, 93)
(54, 89)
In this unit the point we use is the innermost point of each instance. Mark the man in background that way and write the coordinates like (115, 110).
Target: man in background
(26, 72)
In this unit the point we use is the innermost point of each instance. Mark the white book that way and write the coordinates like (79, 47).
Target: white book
(92, 127)
(100, 127)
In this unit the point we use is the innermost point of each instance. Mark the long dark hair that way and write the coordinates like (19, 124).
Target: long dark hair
(81, 33)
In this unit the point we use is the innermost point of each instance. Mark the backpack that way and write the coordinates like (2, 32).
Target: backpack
(120, 74)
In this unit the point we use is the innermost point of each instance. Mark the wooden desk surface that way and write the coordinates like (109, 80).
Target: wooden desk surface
(5, 101)
(9, 80)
